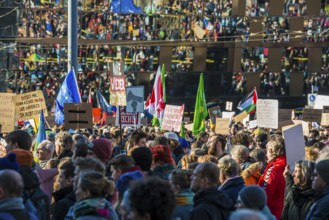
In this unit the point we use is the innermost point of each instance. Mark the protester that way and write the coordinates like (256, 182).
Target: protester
(209, 202)
(320, 180)
(231, 182)
(300, 195)
(64, 145)
(11, 202)
(44, 152)
(18, 139)
(272, 180)
(216, 146)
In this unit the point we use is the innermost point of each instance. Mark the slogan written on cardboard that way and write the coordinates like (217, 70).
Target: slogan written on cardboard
(118, 91)
(29, 105)
(7, 113)
(172, 118)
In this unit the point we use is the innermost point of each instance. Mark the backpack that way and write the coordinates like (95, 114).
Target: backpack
(37, 203)
(8, 216)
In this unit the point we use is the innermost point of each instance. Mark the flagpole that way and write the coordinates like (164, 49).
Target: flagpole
(120, 126)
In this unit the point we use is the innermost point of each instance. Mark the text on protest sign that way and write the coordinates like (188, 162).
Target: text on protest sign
(29, 105)
(172, 119)
(7, 112)
(267, 113)
(127, 119)
(222, 126)
(320, 101)
(312, 115)
(118, 90)
(325, 116)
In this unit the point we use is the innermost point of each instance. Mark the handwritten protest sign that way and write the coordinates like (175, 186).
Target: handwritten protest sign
(7, 112)
(325, 116)
(118, 90)
(312, 115)
(222, 126)
(294, 143)
(29, 105)
(172, 118)
(267, 113)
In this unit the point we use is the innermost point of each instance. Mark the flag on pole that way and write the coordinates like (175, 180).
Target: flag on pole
(103, 104)
(163, 79)
(200, 110)
(41, 131)
(248, 103)
(90, 98)
(155, 104)
(69, 93)
(182, 130)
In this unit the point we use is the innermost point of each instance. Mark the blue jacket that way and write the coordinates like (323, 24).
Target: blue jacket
(320, 209)
(232, 187)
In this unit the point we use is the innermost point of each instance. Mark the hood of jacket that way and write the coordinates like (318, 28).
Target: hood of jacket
(252, 170)
(232, 182)
(30, 178)
(214, 196)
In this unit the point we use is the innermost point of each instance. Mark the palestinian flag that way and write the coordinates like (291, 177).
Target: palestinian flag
(248, 103)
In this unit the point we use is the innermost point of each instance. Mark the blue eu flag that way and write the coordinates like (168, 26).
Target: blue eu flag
(69, 93)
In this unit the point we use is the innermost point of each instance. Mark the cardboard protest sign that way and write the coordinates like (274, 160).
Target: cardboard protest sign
(110, 120)
(305, 125)
(320, 101)
(135, 99)
(295, 144)
(50, 120)
(267, 113)
(189, 126)
(252, 124)
(144, 121)
(285, 114)
(118, 90)
(240, 116)
(285, 123)
(7, 112)
(312, 115)
(222, 126)
(199, 32)
(127, 119)
(325, 116)
(214, 113)
(172, 118)
(29, 105)
(78, 115)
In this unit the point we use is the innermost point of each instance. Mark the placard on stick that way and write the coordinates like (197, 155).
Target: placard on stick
(325, 116)
(222, 126)
(267, 113)
(7, 112)
(78, 115)
(294, 143)
(312, 115)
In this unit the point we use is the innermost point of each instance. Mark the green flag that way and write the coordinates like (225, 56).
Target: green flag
(182, 130)
(200, 110)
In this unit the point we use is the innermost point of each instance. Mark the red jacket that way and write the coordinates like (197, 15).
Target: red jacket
(274, 184)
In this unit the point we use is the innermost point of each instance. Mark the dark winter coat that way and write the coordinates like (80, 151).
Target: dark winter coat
(320, 208)
(211, 203)
(64, 200)
(232, 187)
(297, 202)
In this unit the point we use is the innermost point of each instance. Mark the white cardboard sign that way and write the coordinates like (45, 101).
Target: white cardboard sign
(295, 144)
(320, 101)
(267, 113)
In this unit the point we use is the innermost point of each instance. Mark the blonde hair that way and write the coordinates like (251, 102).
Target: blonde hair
(228, 166)
(276, 143)
(207, 158)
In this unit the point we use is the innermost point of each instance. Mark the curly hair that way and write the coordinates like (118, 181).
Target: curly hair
(181, 178)
(276, 143)
(241, 139)
(228, 166)
(207, 158)
(187, 160)
(97, 184)
(153, 196)
(64, 140)
(89, 163)
(161, 155)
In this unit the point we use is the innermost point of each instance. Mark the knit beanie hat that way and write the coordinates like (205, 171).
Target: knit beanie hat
(9, 162)
(253, 197)
(125, 179)
(322, 168)
(102, 149)
(143, 158)
(183, 143)
(23, 157)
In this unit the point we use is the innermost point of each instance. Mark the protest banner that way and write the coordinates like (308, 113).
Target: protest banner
(320, 101)
(78, 115)
(172, 118)
(7, 112)
(29, 105)
(118, 90)
(240, 116)
(135, 99)
(214, 113)
(222, 126)
(267, 113)
(312, 115)
(294, 143)
(325, 116)
(127, 119)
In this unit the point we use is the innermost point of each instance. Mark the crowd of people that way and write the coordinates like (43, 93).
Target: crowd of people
(151, 174)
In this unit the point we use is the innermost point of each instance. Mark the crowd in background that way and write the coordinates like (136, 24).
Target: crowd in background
(149, 173)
